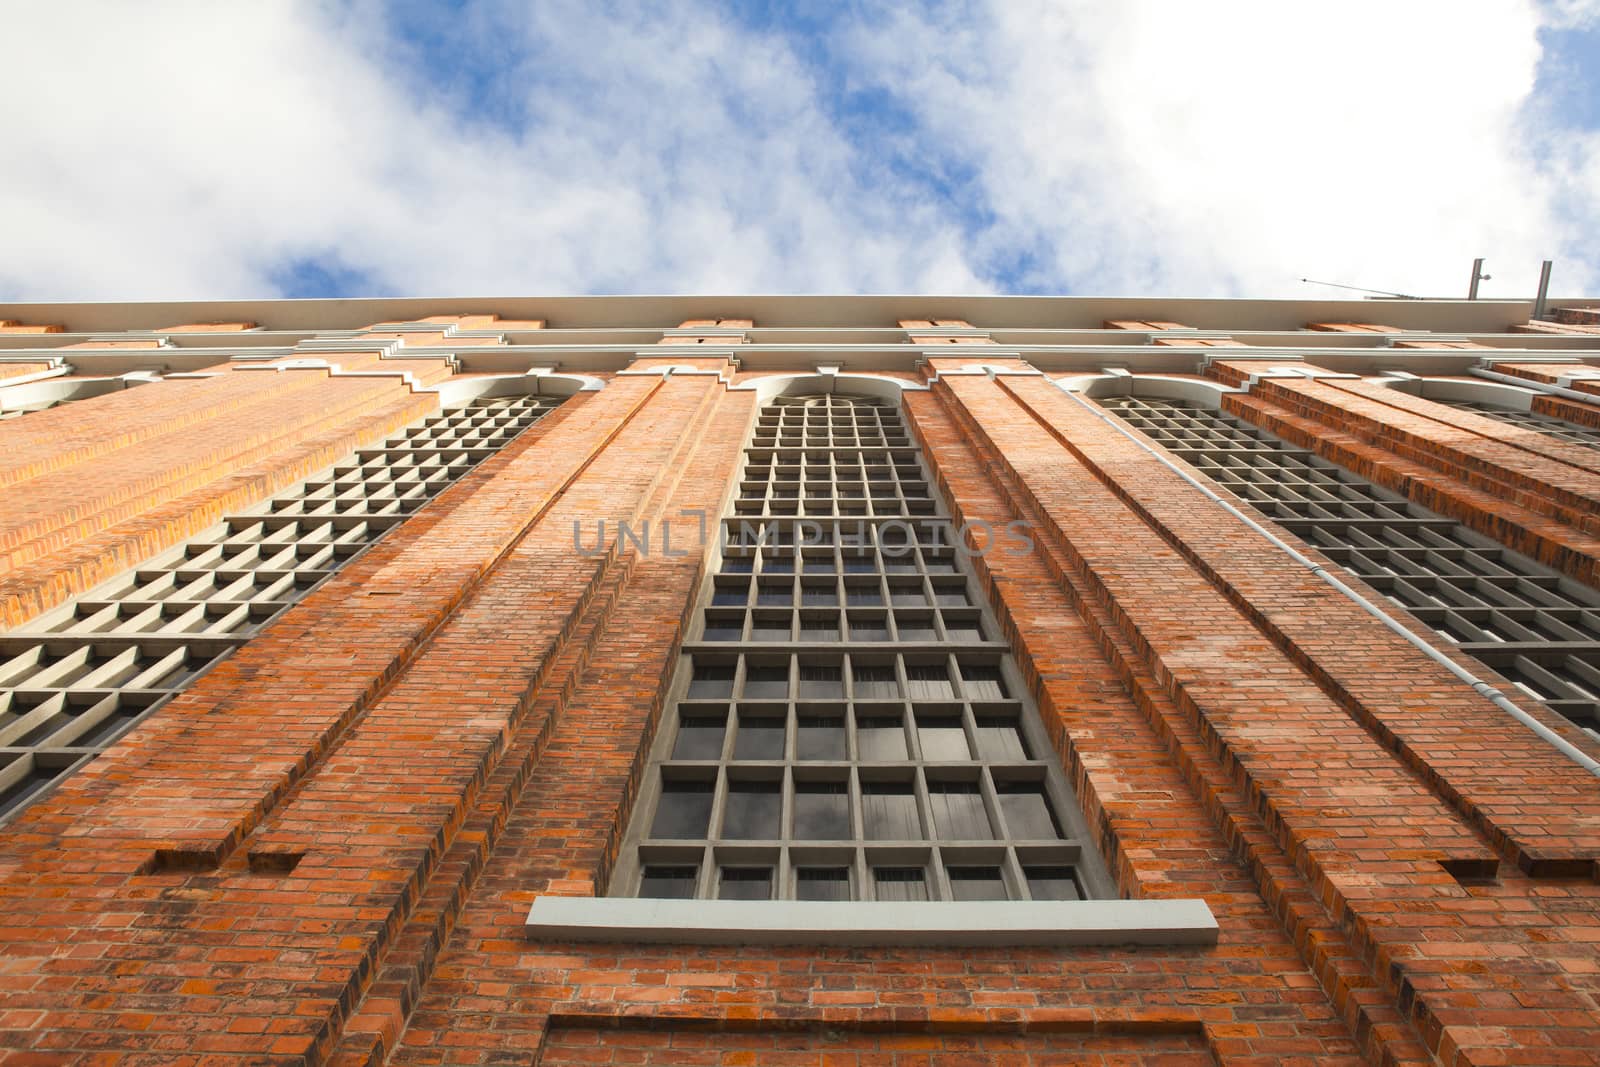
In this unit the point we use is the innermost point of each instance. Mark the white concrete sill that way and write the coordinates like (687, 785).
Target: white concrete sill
(932, 923)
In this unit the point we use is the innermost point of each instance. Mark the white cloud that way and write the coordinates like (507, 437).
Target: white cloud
(188, 150)
(192, 150)
(1214, 148)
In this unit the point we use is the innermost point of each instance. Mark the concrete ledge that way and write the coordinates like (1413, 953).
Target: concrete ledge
(934, 923)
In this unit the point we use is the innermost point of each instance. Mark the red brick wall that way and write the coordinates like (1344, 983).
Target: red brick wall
(577, 1045)
(324, 851)
(102, 483)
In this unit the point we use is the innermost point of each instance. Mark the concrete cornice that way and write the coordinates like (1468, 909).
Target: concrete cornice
(665, 313)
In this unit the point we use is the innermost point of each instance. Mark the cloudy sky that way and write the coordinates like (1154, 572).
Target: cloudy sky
(1196, 147)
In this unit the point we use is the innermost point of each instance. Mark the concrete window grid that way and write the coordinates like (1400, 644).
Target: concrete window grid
(846, 725)
(1535, 627)
(75, 679)
(1548, 425)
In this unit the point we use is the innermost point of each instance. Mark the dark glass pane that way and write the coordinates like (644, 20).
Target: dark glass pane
(889, 810)
(766, 683)
(724, 629)
(869, 630)
(759, 737)
(863, 596)
(982, 682)
(1000, 739)
(821, 682)
(774, 596)
(928, 681)
(820, 630)
(958, 813)
(942, 737)
(821, 737)
(875, 683)
(755, 811)
(671, 883)
(684, 811)
(900, 883)
(821, 811)
(770, 628)
(745, 883)
(1052, 883)
(976, 883)
(724, 594)
(881, 738)
(819, 596)
(777, 566)
(711, 682)
(963, 630)
(700, 738)
(1028, 813)
(822, 883)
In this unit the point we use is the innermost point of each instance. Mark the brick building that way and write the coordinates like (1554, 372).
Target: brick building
(799, 680)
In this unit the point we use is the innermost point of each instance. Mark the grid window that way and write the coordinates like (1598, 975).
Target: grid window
(1539, 630)
(75, 679)
(1548, 425)
(845, 727)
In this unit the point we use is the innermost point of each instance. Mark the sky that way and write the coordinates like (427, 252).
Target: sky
(523, 147)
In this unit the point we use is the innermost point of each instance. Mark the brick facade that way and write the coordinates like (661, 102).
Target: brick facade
(324, 849)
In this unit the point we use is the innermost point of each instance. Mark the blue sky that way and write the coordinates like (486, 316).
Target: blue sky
(191, 150)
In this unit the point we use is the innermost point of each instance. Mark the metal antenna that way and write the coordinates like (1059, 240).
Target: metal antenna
(1359, 289)
(1477, 276)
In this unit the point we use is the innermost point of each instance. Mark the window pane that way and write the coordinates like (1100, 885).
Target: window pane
(745, 883)
(999, 739)
(760, 737)
(684, 811)
(881, 738)
(1052, 883)
(900, 883)
(942, 737)
(929, 681)
(669, 883)
(822, 883)
(818, 682)
(976, 883)
(875, 683)
(754, 811)
(821, 811)
(982, 682)
(1028, 813)
(958, 813)
(711, 681)
(766, 683)
(821, 737)
(700, 738)
(889, 810)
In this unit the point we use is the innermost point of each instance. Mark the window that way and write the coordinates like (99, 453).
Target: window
(1535, 627)
(844, 726)
(75, 679)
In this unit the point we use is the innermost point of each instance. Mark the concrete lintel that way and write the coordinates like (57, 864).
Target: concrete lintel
(890, 923)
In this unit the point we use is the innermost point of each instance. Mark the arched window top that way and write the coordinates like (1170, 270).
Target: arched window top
(1155, 386)
(865, 387)
(1463, 391)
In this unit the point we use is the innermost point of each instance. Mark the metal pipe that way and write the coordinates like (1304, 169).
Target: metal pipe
(1499, 699)
(1544, 291)
(1477, 276)
(1538, 387)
